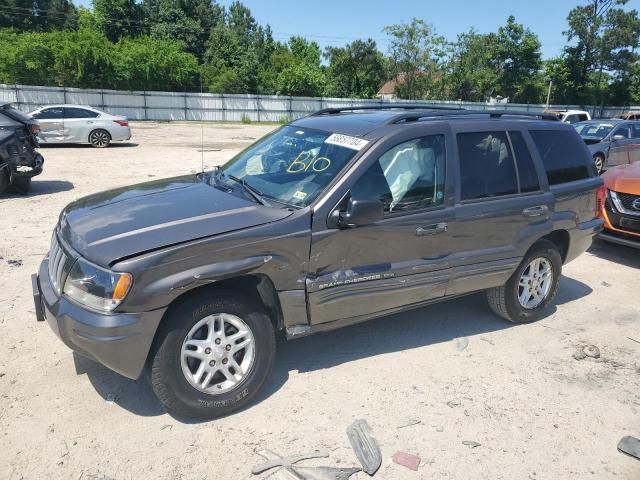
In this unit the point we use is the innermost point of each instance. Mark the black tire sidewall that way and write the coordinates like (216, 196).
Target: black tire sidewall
(166, 372)
(517, 313)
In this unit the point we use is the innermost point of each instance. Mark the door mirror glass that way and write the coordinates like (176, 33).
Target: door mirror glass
(361, 212)
(617, 138)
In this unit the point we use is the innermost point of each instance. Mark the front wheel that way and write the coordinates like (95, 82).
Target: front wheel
(598, 162)
(212, 356)
(532, 287)
(99, 139)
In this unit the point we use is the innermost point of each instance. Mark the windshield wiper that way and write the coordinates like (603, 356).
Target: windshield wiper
(256, 194)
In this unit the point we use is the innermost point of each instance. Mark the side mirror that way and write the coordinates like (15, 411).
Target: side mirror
(617, 138)
(361, 212)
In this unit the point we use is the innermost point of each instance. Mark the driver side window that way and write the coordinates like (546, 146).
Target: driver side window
(409, 176)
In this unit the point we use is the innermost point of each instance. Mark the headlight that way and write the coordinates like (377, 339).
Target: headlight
(96, 287)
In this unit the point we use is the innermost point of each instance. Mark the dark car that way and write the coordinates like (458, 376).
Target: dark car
(336, 218)
(611, 142)
(19, 160)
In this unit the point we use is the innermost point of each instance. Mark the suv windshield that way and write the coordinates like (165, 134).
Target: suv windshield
(598, 130)
(292, 165)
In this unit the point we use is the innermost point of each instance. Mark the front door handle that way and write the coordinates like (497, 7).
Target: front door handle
(536, 211)
(431, 229)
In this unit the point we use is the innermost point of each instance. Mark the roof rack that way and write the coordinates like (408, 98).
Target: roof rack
(387, 106)
(415, 116)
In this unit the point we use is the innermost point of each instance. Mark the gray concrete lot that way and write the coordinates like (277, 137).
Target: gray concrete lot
(454, 371)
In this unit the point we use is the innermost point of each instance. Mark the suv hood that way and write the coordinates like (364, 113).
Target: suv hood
(111, 225)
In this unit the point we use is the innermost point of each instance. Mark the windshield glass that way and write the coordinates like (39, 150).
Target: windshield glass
(292, 165)
(598, 130)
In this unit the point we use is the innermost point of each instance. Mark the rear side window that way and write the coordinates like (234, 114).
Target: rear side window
(563, 155)
(79, 113)
(486, 165)
(635, 130)
(526, 170)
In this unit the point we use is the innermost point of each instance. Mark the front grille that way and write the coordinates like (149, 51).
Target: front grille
(627, 200)
(57, 262)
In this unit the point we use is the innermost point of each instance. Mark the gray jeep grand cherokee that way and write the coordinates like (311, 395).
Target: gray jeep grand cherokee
(333, 219)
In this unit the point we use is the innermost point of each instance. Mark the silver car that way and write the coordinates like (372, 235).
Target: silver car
(611, 141)
(80, 124)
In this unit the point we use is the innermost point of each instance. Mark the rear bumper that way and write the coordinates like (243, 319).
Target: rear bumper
(581, 237)
(119, 341)
(29, 169)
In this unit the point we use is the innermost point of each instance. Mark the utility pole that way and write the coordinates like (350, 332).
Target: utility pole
(549, 93)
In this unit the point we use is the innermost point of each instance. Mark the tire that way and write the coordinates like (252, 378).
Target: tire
(21, 185)
(99, 138)
(170, 365)
(598, 162)
(4, 180)
(505, 300)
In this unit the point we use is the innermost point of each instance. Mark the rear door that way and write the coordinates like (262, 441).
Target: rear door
(77, 124)
(51, 125)
(401, 260)
(501, 207)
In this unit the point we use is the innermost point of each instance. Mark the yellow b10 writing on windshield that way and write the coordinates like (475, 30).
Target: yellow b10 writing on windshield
(306, 160)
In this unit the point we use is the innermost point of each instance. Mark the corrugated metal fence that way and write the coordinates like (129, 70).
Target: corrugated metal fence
(140, 105)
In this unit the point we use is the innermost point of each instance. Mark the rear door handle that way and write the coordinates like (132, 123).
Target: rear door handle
(536, 211)
(431, 229)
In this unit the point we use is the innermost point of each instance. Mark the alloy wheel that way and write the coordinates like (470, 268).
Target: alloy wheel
(100, 138)
(218, 353)
(535, 283)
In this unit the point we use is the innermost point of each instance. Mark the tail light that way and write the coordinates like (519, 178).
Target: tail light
(601, 197)
(122, 123)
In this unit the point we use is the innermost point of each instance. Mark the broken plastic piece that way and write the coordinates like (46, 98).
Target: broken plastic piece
(630, 446)
(286, 461)
(591, 351)
(325, 473)
(406, 460)
(365, 446)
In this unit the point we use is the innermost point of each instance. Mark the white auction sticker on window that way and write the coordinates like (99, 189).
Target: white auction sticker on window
(347, 141)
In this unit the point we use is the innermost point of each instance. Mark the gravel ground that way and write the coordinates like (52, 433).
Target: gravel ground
(426, 380)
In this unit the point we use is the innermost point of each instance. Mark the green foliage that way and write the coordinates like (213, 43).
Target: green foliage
(418, 56)
(506, 64)
(117, 18)
(38, 16)
(356, 70)
(199, 45)
(246, 119)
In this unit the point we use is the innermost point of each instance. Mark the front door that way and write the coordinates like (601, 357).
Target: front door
(401, 260)
(622, 140)
(51, 125)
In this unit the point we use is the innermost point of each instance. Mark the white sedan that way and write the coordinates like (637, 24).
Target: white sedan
(80, 124)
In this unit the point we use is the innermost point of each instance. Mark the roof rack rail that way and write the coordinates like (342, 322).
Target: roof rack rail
(386, 106)
(415, 116)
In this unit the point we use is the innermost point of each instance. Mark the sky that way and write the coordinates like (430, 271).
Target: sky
(338, 22)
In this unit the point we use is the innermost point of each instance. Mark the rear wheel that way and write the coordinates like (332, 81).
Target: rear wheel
(532, 287)
(598, 162)
(21, 185)
(212, 355)
(4, 180)
(99, 138)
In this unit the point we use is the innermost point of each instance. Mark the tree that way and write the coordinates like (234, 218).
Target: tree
(38, 15)
(118, 18)
(356, 70)
(605, 37)
(149, 63)
(189, 21)
(417, 55)
(301, 79)
(506, 63)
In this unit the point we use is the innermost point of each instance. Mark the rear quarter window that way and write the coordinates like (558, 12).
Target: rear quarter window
(563, 155)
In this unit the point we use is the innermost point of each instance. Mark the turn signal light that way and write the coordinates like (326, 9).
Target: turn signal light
(122, 287)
